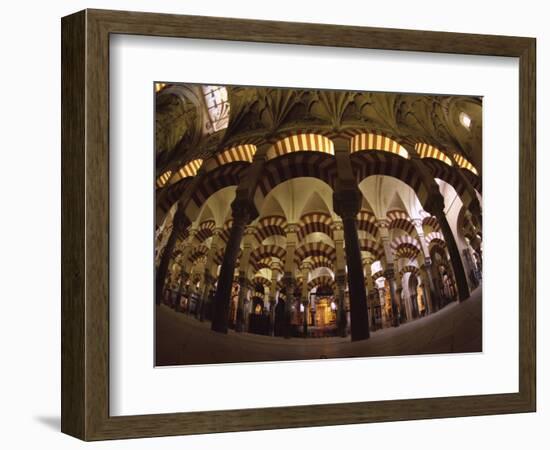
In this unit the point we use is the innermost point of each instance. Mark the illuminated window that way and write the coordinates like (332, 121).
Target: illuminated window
(217, 105)
(465, 120)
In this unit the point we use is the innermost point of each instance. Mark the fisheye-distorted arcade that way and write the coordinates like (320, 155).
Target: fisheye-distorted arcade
(306, 223)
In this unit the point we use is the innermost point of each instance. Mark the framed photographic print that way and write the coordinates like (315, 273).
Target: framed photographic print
(270, 224)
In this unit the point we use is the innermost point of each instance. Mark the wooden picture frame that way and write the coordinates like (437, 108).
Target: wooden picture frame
(85, 224)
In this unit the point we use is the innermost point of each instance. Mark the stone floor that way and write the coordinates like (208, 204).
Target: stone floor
(182, 339)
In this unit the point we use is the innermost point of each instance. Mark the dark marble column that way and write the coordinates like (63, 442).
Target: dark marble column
(242, 214)
(341, 302)
(204, 299)
(305, 304)
(275, 271)
(289, 284)
(240, 324)
(184, 276)
(179, 224)
(347, 203)
(390, 276)
(436, 206)
(402, 311)
(272, 303)
(426, 273)
(456, 260)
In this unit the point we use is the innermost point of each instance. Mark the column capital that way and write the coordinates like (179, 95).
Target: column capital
(418, 225)
(337, 225)
(435, 205)
(291, 228)
(389, 273)
(217, 231)
(249, 230)
(180, 221)
(347, 202)
(382, 222)
(243, 211)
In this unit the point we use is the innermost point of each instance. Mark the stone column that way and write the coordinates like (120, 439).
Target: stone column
(209, 272)
(399, 295)
(347, 202)
(244, 287)
(305, 304)
(208, 282)
(340, 277)
(407, 305)
(184, 276)
(389, 274)
(275, 271)
(289, 284)
(368, 283)
(340, 280)
(179, 224)
(429, 286)
(243, 212)
(306, 267)
(249, 231)
(183, 262)
(436, 207)
(426, 275)
(289, 281)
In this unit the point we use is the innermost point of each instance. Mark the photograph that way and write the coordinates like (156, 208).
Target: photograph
(302, 223)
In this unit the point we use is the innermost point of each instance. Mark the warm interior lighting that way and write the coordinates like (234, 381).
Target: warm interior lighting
(161, 181)
(464, 163)
(369, 141)
(301, 142)
(465, 120)
(428, 151)
(217, 104)
(190, 169)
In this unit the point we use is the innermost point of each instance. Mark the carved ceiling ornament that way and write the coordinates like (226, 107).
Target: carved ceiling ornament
(259, 115)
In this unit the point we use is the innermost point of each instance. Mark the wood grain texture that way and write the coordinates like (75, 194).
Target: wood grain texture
(85, 224)
(73, 110)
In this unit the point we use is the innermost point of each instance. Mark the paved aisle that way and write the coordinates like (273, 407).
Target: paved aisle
(184, 340)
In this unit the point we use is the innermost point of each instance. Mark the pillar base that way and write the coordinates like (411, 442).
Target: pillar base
(360, 335)
(219, 328)
(240, 322)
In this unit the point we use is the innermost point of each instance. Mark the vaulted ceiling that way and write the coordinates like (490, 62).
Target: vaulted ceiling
(257, 115)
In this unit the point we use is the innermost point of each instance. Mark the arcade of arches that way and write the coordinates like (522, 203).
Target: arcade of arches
(310, 213)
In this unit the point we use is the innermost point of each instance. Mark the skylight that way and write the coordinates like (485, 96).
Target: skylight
(217, 105)
(465, 120)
